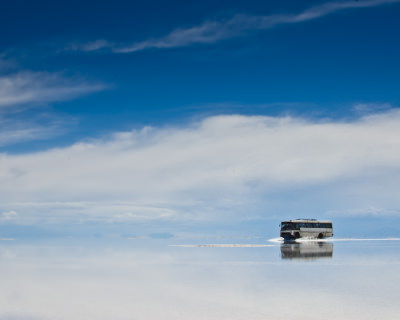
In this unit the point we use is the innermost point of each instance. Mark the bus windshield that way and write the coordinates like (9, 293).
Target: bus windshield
(286, 226)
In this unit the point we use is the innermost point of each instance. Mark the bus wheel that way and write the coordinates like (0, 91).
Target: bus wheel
(320, 236)
(297, 235)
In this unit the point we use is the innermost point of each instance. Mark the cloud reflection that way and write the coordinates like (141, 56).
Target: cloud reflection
(124, 280)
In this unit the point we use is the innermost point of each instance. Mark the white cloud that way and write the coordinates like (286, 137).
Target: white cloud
(213, 31)
(41, 87)
(237, 165)
(9, 215)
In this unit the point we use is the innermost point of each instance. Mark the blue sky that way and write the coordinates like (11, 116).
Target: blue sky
(166, 111)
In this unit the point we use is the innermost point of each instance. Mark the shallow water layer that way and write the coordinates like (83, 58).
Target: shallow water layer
(165, 279)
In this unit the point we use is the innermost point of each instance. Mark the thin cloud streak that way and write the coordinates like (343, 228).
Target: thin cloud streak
(10, 136)
(29, 87)
(239, 25)
(370, 211)
(14, 130)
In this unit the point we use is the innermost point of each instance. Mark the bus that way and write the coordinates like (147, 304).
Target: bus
(306, 228)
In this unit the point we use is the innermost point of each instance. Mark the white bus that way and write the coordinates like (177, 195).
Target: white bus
(306, 228)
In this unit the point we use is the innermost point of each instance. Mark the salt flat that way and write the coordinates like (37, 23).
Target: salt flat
(153, 279)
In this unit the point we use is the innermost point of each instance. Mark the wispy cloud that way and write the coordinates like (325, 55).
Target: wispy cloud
(6, 63)
(214, 31)
(19, 127)
(11, 135)
(90, 46)
(366, 211)
(223, 165)
(370, 108)
(22, 90)
(8, 215)
(27, 87)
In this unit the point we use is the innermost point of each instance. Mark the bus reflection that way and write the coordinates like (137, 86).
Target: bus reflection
(307, 250)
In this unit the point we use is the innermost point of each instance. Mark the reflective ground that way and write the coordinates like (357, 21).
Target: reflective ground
(171, 279)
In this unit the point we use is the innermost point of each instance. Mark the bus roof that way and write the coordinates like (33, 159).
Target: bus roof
(309, 220)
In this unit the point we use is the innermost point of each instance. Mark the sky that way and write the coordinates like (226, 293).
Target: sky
(167, 113)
